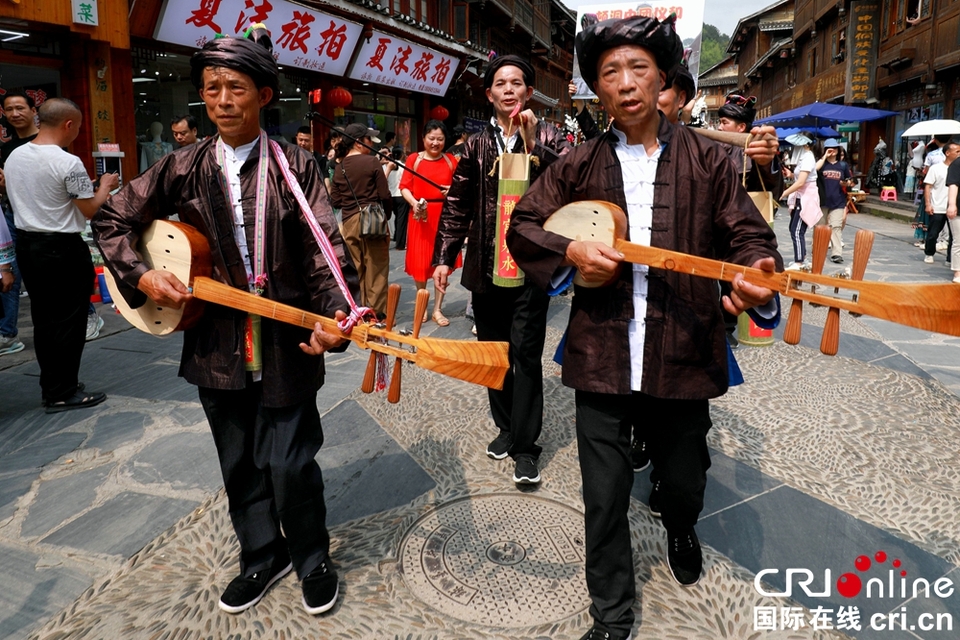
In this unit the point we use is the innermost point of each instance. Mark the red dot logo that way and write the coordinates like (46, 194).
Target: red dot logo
(862, 563)
(903, 574)
(880, 556)
(896, 562)
(849, 585)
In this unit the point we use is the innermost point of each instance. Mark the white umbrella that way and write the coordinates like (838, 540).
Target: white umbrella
(933, 128)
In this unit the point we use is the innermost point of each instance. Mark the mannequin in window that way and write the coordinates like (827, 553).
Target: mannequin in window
(152, 151)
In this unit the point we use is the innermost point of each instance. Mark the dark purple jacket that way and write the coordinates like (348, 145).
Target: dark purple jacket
(188, 182)
(471, 205)
(699, 208)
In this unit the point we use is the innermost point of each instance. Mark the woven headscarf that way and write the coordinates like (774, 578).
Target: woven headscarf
(510, 60)
(252, 55)
(659, 37)
(744, 113)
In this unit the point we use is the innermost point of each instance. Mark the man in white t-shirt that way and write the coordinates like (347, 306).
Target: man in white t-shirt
(52, 198)
(935, 199)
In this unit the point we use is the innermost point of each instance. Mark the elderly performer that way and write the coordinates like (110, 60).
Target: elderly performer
(234, 188)
(650, 345)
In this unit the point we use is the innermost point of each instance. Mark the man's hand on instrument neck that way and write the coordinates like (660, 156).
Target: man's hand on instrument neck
(164, 288)
(595, 261)
(764, 146)
(321, 341)
(747, 296)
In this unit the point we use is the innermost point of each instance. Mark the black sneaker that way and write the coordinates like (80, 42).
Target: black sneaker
(500, 447)
(242, 593)
(525, 471)
(599, 632)
(684, 557)
(653, 502)
(639, 456)
(320, 590)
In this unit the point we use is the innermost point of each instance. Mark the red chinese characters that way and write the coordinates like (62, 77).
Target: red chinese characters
(422, 66)
(441, 70)
(376, 61)
(296, 32)
(260, 13)
(398, 66)
(203, 16)
(333, 40)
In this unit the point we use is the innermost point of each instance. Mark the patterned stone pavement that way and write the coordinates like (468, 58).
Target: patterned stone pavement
(117, 528)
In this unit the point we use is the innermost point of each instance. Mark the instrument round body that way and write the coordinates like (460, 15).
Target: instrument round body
(183, 251)
(589, 221)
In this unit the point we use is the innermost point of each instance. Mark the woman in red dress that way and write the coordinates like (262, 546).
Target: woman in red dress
(426, 202)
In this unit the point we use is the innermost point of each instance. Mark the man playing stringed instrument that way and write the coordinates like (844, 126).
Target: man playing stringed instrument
(650, 345)
(264, 211)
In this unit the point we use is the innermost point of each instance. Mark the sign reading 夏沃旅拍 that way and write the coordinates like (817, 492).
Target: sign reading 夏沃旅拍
(301, 37)
(389, 60)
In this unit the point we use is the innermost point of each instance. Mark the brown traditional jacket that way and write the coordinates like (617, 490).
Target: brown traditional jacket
(471, 205)
(188, 183)
(700, 208)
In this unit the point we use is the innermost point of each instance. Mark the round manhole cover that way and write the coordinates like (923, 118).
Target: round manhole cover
(508, 559)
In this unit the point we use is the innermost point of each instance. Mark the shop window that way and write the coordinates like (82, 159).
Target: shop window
(407, 106)
(812, 63)
(443, 16)
(386, 103)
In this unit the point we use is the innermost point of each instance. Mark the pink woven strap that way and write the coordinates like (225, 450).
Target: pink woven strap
(357, 314)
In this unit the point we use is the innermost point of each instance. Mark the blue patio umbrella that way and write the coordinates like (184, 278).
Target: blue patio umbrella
(822, 132)
(822, 114)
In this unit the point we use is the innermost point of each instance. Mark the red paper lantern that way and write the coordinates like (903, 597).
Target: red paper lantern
(439, 112)
(339, 98)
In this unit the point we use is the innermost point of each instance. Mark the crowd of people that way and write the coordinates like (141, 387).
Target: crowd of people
(645, 354)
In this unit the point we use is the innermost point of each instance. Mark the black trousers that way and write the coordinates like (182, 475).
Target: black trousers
(937, 221)
(271, 477)
(57, 270)
(401, 211)
(517, 315)
(676, 432)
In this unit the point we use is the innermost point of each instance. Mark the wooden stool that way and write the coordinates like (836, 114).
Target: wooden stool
(888, 193)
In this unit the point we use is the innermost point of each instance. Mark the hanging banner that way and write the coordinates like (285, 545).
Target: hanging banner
(863, 39)
(689, 28)
(394, 62)
(301, 37)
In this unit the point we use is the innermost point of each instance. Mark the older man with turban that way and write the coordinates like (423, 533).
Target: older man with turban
(262, 411)
(649, 346)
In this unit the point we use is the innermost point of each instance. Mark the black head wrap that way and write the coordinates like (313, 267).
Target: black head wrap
(681, 78)
(659, 37)
(252, 55)
(740, 109)
(504, 61)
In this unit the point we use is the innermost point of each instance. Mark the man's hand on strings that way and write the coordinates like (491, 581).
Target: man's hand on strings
(164, 288)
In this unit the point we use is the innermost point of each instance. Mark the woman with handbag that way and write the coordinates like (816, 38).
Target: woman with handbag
(426, 202)
(803, 199)
(360, 190)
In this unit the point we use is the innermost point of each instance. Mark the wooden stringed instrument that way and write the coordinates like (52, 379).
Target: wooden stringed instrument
(182, 250)
(931, 307)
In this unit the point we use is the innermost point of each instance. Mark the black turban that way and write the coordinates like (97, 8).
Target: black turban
(510, 60)
(253, 57)
(681, 78)
(659, 37)
(741, 113)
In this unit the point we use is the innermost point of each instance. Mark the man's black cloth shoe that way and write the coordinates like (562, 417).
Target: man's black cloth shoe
(525, 471)
(685, 557)
(320, 590)
(242, 593)
(79, 400)
(653, 502)
(639, 456)
(500, 447)
(599, 632)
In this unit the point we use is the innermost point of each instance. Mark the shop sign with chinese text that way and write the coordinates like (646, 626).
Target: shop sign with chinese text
(863, 38)
(301, 37)
(388, 60)
(85, 12)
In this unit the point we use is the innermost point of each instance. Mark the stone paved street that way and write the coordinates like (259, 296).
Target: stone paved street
(113, 523)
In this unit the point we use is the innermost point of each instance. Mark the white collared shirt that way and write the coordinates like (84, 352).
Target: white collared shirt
(234, 160)
(639, 172)
(510, 142)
